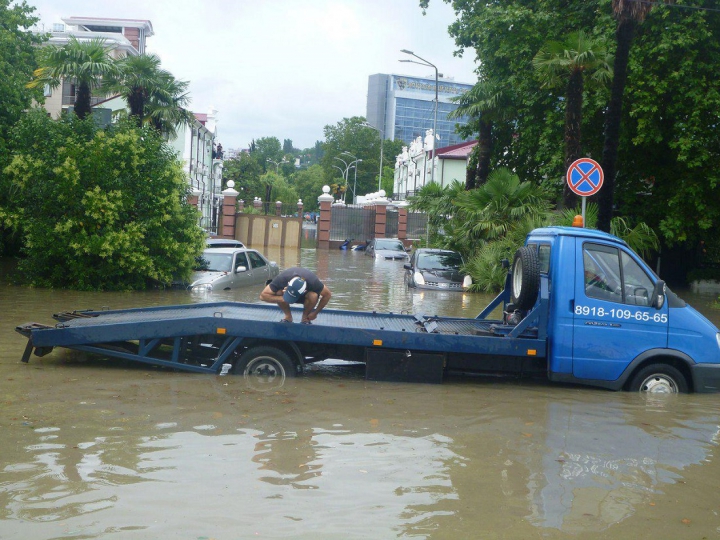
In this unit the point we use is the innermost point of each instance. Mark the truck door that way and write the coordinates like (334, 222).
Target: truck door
(613, 319)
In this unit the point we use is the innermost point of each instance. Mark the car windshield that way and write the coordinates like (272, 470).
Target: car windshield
(390, 245)
(440, 261)
(216, 262)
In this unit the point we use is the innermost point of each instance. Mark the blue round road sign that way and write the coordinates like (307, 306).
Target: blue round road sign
(585, 177)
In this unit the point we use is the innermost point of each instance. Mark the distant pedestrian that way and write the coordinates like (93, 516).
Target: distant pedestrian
(297, 286)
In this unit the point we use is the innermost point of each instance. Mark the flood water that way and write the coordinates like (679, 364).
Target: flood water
(93, 448)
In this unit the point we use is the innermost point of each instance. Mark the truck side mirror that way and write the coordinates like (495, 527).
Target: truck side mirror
(658, 295)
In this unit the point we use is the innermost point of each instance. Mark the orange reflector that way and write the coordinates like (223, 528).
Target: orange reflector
(532, 352)
(377, 342)
(221, 330)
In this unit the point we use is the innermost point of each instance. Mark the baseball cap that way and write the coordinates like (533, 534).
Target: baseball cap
(295, 290)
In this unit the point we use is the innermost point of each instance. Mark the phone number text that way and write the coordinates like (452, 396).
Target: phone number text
(623, 314)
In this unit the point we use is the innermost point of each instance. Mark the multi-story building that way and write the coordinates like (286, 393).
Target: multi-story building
(125, 37)
(402, 107)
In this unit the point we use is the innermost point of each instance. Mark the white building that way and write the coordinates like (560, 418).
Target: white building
(413, 166)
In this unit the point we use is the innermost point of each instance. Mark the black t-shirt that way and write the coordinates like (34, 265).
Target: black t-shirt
(283, 278)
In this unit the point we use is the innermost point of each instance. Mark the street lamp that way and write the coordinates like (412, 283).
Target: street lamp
(357, 160)
(382, 138)
(277, 163)
(429, 64)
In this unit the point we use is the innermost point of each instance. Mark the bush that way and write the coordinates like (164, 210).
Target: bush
(98, 210)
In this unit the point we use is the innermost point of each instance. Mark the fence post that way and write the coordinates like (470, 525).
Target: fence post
(402, 222)
(300, 208)
(380, 217)
(278, 208)
(241, 206)
(228, 215)
(323, 226)
(257, 203)
(194, 197)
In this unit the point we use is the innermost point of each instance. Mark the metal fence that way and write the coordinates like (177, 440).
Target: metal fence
(356, 223)
(391, 224)
(417, 225)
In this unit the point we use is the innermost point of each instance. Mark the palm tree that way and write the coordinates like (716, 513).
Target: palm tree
(486, 103)
(165, 107)
(629, 14)
(493, 210)
(87, 63)
(569, 61)
(136, 79)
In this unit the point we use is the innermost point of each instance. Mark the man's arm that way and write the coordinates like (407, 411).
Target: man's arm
(268, 295)
(325, 295)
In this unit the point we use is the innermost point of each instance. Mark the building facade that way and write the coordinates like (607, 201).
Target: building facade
(413, 167)
(125, 37)
(403, 107)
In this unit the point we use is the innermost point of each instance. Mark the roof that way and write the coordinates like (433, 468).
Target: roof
(201, 117)
(456, 151)
(105, 21)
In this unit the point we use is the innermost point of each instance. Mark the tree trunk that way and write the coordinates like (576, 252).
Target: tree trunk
(484, 152)
(573, 123)
(82, 100)
(624, 36)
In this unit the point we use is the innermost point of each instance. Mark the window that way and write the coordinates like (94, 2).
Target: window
(241, 260)
(601, 265)
(544, 258)
(256, 260)
(612, 274)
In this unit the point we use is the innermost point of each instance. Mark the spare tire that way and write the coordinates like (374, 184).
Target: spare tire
(525, 278)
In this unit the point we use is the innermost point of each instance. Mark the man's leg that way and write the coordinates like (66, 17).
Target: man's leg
(311, 299)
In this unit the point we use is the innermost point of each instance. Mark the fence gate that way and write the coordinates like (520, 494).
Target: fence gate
(354, 223)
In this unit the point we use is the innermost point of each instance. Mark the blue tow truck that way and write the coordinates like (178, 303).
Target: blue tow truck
(579, 306)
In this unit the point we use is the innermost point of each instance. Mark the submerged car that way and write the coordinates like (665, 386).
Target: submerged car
(230, 268)
(436, 269)
(387, 248)
(223, 243)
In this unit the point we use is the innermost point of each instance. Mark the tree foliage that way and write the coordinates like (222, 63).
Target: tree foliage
(98, 210)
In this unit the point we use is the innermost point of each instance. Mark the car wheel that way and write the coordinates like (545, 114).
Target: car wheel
(265, 366)
(659, 379)
(525, 281)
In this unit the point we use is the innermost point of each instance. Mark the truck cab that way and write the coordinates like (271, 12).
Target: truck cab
(613, 323)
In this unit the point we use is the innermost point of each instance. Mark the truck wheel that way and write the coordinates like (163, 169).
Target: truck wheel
(525, 278)
(265, 366)
(659, 379)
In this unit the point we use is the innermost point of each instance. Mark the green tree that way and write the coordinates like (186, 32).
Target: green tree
(566, 63)
(98, 210)
(628, 14)
(166, 107)
(268, 152)
(245, 171)
(85, 62)
(309, 183)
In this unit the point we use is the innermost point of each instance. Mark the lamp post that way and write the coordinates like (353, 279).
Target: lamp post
(357, 160)
(429, 64)
(382, 138)
(277, 164)
(344, 172)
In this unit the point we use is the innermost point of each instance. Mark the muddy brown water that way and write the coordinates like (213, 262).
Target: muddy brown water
(94, 448)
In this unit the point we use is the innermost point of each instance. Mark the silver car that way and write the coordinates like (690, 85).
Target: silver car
(230, 268)
(387, 248)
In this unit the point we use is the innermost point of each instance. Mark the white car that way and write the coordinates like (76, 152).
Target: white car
(230, 268)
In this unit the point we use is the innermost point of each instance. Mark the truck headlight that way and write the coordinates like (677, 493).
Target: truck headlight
(419, 279)
(467, 281)
(717, 338)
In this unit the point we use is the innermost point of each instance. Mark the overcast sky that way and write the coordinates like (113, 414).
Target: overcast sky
(283, 68)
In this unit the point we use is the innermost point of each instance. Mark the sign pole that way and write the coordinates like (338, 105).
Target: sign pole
(584, 178)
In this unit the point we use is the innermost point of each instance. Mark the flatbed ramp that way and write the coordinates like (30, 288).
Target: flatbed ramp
(201, 337)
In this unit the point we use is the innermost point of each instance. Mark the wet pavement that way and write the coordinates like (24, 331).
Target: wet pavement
(92, 448)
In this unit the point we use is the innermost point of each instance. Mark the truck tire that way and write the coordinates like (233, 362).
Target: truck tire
(525, 278)
(659, 379)
(265, 365)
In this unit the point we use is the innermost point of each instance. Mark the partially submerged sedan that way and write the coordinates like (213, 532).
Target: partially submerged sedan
(387, 248)
(437, 269)
(230, 268)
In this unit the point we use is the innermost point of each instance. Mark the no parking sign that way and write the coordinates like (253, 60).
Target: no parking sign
(585, 178)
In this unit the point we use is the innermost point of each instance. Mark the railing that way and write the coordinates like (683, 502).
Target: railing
(350, 222)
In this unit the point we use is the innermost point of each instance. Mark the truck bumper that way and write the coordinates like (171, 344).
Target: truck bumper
(706, 377)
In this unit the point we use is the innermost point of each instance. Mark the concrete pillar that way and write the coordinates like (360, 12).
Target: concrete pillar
(228, 214)
(241, 206)
(278, 208)
(300, 208)
(323, 226)
(257, 203)
(402, 222)
(194, 197)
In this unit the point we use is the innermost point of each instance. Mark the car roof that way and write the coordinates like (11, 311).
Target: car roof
(228, 241)
(435, 250)
(227, 250)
